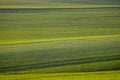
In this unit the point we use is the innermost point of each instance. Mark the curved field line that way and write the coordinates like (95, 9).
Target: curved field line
(58, 39)
(59, 6)
(62, 63)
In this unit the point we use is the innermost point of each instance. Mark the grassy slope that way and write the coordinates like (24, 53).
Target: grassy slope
(49, 24)
(63, 40)
(56, 3)
(59, 40)
(61, 56)
(113, 75)
(41, 2)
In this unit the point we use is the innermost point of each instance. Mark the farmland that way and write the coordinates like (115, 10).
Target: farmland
(59, 40)
(114, 75)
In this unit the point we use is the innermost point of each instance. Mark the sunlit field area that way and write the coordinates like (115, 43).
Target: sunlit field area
(109, 75)
(59, 40)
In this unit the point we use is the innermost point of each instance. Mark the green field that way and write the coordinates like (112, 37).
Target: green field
(109, 75)
(59, 40)
(58, 3)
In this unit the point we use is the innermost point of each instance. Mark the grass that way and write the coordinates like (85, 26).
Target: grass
(61, 55)
(69, 41)
(42, 24)
(106, 75)
(57, 3)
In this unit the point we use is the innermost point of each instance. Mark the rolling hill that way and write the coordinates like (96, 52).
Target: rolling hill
(56, 3)
(54, 39)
